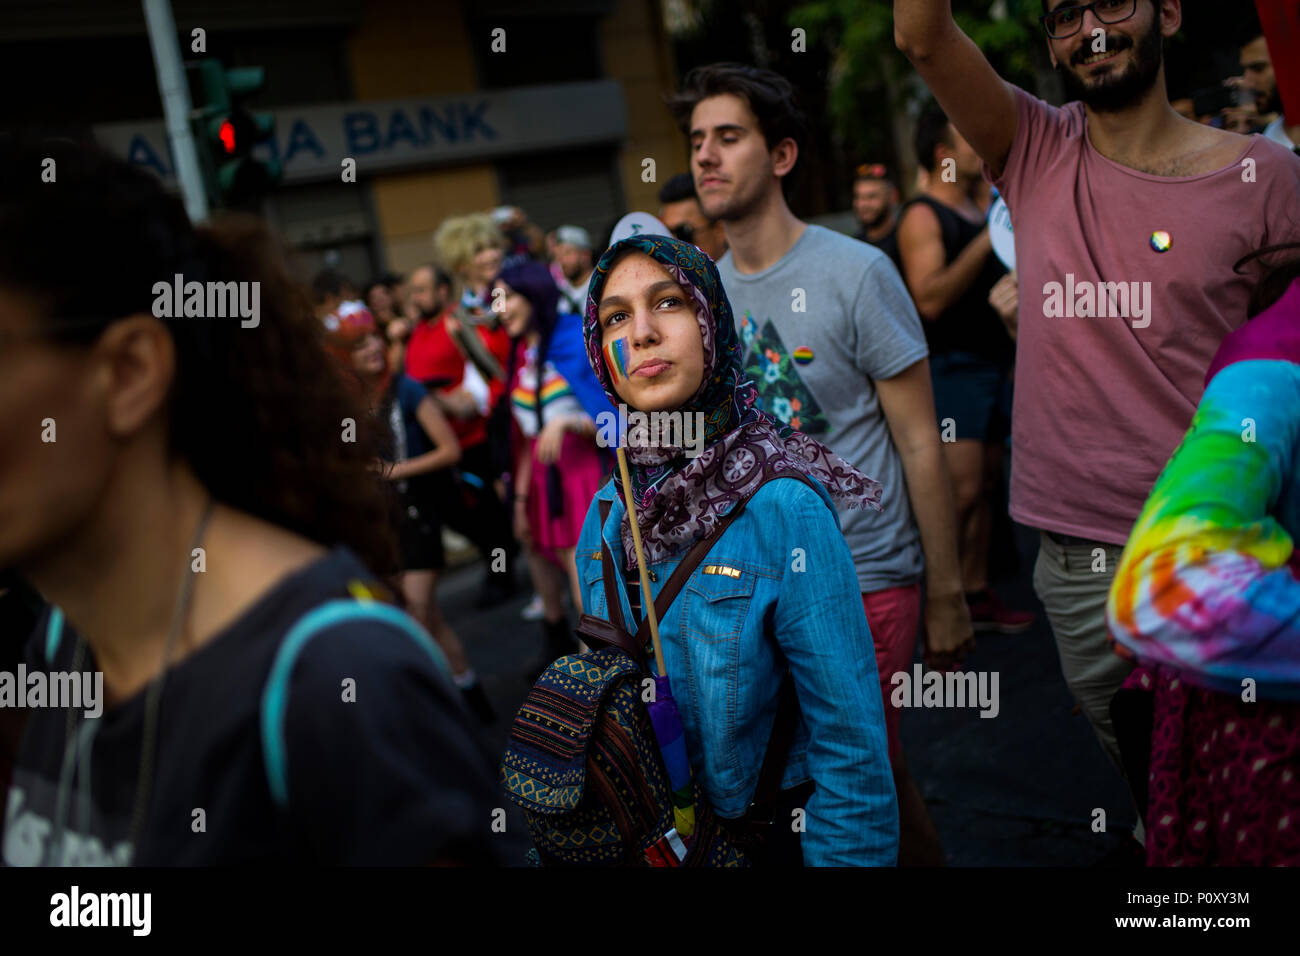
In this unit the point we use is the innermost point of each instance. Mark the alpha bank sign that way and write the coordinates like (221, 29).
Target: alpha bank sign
(312, 142)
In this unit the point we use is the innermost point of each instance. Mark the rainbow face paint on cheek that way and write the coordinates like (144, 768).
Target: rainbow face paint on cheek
(616, 360)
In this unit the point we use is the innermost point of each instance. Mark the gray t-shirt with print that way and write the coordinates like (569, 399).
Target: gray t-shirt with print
(818, 329)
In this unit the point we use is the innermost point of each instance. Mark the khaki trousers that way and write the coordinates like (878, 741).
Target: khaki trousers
(1074, 595)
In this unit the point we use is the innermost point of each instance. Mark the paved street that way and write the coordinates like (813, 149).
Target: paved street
(1015, 790)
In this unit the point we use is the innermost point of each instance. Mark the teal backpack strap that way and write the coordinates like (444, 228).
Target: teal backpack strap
(53, 633)
(275, 695)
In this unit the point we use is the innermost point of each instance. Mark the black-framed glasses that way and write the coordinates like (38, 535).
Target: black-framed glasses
(683, 231)
(1065, 21)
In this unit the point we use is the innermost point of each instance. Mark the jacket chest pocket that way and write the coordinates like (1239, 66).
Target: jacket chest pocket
(593, 592)
(717, 601)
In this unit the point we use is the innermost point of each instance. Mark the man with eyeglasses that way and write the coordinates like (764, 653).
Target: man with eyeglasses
(1113, 193)
(679, 210)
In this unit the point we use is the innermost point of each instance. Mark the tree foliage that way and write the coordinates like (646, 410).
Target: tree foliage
(873, 90)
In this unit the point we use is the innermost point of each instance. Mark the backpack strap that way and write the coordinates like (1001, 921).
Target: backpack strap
(778, 751)
(53, 633)
(275, 695)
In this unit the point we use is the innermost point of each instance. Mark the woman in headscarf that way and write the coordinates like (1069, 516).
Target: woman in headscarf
(556, 463)
(777, 592)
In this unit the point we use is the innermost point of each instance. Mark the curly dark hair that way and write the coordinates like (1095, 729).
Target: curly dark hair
(769, 95)
(256, 412)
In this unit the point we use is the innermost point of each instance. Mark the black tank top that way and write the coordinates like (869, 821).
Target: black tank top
(970, 324)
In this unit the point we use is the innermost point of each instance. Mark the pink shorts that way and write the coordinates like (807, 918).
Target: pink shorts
(583, 467)
(894, 616)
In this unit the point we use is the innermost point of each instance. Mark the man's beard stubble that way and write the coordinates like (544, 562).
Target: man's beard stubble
(737, 207)
(879, 220)
(1116, 93)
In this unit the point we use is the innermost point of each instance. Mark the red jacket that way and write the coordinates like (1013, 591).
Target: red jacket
(432, 354)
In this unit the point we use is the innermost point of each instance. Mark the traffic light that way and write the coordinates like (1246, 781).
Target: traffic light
(226, 133)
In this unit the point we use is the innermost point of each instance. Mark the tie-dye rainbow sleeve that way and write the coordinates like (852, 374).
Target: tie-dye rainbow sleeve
(1206, 583)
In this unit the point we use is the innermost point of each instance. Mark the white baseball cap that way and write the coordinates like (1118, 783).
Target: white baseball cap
(574, 236)
(638, 224)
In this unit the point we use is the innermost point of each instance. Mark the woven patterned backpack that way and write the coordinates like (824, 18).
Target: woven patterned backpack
(583, 763)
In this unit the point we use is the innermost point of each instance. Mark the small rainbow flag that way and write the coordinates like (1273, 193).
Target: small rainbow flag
(803, 355)
(616, 360)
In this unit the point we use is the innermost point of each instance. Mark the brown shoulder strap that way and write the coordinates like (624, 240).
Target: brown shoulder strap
(667, 593)
(778, 750)
(677, 580)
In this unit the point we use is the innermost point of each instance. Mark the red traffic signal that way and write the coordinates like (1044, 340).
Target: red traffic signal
(226, 133)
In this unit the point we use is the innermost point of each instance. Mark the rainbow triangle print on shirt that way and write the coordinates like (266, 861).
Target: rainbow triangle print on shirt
(781, 389)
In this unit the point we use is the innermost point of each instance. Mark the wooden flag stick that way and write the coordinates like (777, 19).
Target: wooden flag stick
(647, 596)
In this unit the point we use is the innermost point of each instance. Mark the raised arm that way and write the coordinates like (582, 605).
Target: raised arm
(978, 101)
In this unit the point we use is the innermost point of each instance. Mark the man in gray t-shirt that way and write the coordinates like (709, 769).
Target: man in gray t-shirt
(819, 329)
(835, 348)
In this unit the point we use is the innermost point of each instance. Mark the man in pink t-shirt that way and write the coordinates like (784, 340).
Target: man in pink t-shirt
(1128, 221)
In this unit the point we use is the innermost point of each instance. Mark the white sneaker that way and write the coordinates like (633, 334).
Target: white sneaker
(533, 610)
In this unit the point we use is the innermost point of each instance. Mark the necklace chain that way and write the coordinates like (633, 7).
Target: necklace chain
(153, 698)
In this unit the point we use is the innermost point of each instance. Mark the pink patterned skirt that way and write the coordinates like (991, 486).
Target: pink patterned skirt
(583, 466)
(1224, 778)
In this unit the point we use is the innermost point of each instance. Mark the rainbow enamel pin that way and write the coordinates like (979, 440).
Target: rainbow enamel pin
(803, 355)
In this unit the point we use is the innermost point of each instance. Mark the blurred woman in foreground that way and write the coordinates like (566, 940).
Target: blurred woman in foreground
(195, 498)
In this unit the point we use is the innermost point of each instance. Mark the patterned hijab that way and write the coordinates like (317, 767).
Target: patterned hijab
(679, 499)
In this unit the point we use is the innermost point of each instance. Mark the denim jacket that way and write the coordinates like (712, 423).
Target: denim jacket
(726, 639)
